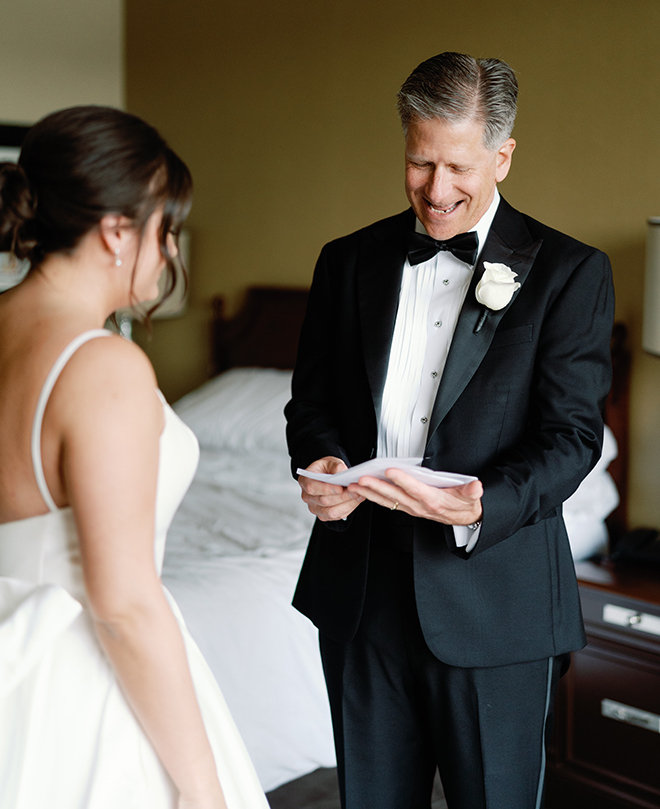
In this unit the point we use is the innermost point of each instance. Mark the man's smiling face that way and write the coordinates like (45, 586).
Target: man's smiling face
(450, 175)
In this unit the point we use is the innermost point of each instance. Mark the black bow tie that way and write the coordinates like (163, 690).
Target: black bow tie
(421, 247)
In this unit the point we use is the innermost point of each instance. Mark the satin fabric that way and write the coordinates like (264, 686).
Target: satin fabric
(68, 738)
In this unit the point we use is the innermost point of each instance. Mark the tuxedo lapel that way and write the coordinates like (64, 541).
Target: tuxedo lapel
(510, 243)
(380, 266)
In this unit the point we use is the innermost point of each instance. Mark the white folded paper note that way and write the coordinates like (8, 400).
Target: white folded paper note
(376, 468)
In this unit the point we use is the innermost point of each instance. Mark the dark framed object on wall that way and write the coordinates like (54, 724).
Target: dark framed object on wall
(11, 138)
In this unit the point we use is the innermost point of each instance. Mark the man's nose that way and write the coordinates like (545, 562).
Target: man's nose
(440, 185)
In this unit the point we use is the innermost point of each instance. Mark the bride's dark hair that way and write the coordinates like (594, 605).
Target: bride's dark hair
(80, 164)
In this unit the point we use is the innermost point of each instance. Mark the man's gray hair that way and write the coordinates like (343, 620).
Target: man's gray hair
(456, 87)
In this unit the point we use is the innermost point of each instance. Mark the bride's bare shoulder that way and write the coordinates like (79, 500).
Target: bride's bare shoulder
(106, 369)
(110, 354)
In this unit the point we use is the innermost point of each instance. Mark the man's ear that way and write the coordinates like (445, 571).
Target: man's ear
(114, 230)
(503, 158)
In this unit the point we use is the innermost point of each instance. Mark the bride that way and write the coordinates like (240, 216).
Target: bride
(105, 701)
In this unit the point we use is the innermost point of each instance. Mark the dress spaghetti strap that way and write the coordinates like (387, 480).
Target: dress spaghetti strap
(51, 379)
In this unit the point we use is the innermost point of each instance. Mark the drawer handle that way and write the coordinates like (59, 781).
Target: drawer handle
(639, 621)
(632, 716)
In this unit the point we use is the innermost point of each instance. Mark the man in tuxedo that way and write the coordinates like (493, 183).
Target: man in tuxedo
(470, 335)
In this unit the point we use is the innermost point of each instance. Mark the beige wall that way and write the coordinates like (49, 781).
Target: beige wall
(57, 53)
(285, 114)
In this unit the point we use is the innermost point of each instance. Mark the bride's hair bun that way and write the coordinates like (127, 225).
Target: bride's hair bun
(80, 164)
(17, 211)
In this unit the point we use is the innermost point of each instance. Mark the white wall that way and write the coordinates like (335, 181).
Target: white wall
(58, 53)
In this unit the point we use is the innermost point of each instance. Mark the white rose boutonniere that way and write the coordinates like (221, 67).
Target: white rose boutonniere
(495, 289)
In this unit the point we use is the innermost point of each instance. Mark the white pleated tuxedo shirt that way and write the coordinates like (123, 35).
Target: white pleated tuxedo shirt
(430, 300)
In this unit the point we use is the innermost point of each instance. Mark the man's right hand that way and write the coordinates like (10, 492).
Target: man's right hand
(325, 501)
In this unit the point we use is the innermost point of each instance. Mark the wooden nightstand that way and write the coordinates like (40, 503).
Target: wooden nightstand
(606, 748)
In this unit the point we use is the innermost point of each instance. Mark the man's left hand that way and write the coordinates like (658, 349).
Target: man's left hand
(458, 505)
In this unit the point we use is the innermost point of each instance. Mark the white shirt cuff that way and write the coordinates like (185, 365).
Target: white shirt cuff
(465, 537)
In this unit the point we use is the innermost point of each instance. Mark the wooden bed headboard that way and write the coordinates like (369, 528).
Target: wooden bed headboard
(265, 334)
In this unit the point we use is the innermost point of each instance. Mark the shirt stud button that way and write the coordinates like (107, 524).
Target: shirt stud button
(423, 419)
(438, 323)
(434, 374)
(446, 281)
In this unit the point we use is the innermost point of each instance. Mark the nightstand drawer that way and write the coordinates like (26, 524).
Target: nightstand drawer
(606, 745)
(614, 717)
(635, 623)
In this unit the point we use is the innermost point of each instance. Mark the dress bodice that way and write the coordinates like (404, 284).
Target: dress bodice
(44, 549)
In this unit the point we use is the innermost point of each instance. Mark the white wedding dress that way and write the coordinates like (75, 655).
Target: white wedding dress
(68, 739)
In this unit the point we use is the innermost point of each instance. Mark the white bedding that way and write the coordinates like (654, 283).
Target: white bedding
(595, 499)
(233, 556)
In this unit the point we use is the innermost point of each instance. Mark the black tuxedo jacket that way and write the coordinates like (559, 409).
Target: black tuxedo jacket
(519, 405)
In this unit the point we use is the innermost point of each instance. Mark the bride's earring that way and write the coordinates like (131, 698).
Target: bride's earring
(117, 259)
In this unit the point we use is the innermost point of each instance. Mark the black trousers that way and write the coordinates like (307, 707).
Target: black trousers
(398, 711)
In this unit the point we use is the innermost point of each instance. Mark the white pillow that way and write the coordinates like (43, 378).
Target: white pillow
(596, 498)
(239, 410)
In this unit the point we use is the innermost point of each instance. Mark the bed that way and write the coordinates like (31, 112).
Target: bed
(237, 542)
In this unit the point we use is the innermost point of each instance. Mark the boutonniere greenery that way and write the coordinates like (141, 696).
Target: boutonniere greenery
(495, 289)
